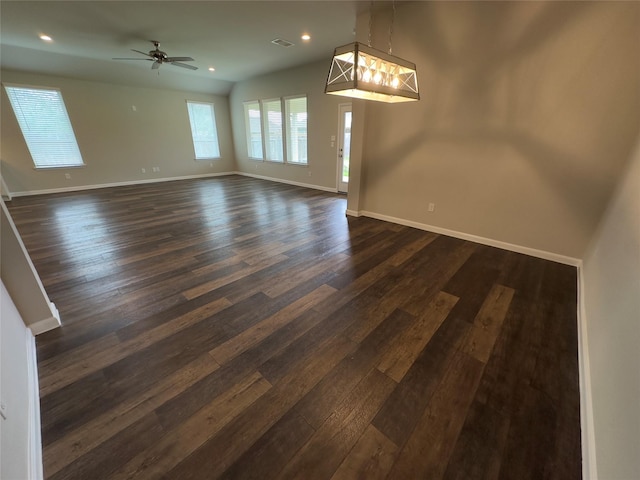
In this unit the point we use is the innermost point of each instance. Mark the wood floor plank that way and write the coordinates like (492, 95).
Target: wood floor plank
(304, 308)
(102, 461)
(326, 449)
(398, 416)
(93, 356)
(488, 323)
(266, 457)
(171, 448)
(371, 457)
(325, 397)
(261, 415)
(253, 335)
(429, 447)
(399, 357)
(93, 433)
(480, 446)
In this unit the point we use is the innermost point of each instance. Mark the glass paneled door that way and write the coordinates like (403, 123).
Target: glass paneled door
(344, 146)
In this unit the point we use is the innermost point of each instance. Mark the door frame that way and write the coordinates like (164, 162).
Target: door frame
(342, 187)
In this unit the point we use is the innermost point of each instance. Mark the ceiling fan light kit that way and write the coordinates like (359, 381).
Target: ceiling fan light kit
(158, 57)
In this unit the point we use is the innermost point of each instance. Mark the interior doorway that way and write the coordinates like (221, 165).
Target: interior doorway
(344, 146)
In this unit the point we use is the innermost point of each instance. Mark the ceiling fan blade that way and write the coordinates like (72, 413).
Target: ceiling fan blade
(179, 59)
(138, 51)
(184, 65)
(155, 66)
(145, 59)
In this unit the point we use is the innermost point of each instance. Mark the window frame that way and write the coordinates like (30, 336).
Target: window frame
(215, 130)
(288, 136)
(268, 154)
(248, 133)
(65, 113)
(285, 129)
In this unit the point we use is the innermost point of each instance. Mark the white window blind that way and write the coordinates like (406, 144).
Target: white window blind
(45, 126)
(272, 118)
(296, 113)
(254, 129)
(203, 130)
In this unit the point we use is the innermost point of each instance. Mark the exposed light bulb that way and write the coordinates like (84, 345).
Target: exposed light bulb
(46, 38)
(367, 75)
(395, 82)
(306, 37)
(211, 69)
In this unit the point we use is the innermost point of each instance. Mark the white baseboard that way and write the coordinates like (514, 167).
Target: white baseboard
(352, 213)
(116, 184)
(48, 323)
(589, 469)
(35, 438)
(554, 257)
(288, 182)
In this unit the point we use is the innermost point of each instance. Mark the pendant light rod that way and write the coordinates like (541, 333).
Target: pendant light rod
(370, 21)
(393, 17)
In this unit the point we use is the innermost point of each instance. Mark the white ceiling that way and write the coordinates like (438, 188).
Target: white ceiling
(232, 36)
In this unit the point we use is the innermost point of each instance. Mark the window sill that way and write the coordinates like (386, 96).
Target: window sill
(58, 167)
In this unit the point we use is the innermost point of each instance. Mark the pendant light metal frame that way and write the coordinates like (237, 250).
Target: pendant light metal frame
(360, 71)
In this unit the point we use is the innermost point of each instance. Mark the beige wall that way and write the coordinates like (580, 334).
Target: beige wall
(115, 142)
(528, 113)
(612, 311)
(322, 123)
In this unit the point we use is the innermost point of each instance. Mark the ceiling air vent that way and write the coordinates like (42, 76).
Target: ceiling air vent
(282, 43)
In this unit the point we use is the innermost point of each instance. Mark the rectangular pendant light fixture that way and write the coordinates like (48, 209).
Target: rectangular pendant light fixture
(360, 71)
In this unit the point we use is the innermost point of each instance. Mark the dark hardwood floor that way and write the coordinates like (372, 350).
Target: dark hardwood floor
(236, 328)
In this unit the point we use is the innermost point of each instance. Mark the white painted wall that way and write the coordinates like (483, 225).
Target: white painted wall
(115, 141)
(20, 444)
(612, 314)
(322, 124)
(529, 112)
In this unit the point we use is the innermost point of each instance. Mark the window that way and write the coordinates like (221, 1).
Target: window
(296, 113)
(45, 126)
(254, 130)
(202, 118)
(272, 119)
(265, 116)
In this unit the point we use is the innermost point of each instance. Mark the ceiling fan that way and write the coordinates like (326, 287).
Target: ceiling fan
(158, 57)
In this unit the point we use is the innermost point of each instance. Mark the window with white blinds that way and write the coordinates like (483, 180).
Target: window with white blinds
(254, 129)
(45, 126)
(203, 130)
(296, 113)
(272, 121)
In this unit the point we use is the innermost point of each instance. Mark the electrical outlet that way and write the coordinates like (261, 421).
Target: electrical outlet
(144, 170)
(67, 176)
(309, 173)
(432, 207)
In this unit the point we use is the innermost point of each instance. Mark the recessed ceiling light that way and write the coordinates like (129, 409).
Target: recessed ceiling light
(211, 69)
(306, 37)
(46, 38)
